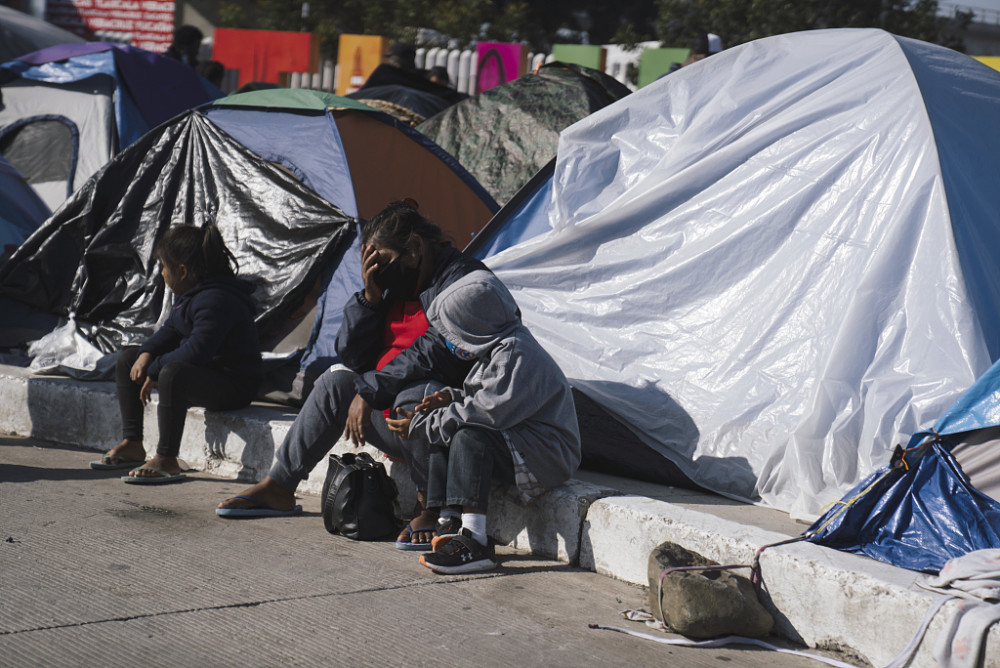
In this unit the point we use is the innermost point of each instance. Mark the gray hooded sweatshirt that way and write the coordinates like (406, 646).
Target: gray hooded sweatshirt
(514, 386)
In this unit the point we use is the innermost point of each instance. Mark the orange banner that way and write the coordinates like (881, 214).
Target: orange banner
(357, 57)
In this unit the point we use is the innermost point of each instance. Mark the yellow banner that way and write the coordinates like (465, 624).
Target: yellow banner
(357, 57)
(991, 61)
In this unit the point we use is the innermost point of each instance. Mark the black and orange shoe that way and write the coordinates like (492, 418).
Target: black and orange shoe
(461, 554)
(447, 528)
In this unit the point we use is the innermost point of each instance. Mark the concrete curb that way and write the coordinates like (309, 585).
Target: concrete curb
(820, 597)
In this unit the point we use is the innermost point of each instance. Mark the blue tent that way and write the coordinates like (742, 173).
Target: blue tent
(925, 507)
(68, 109)
(346, 161)
(524, 216)
(776, 264)
(21, 210)
(359, 159)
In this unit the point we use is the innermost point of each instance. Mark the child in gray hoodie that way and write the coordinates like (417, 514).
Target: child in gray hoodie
(513, 420)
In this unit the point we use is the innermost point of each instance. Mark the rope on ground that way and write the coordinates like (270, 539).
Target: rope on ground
(755, 577)
(725, 640)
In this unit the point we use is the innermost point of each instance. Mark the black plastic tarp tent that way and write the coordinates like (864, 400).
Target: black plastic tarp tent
(93, 259)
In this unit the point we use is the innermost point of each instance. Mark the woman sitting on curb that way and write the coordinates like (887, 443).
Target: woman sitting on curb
(391, 354)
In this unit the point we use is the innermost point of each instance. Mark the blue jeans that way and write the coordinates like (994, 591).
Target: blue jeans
(462, 474)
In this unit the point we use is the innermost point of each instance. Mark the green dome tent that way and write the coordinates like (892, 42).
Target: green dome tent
(506, 134)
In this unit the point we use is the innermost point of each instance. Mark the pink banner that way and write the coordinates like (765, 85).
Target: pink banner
(499, 62)
(148, 24)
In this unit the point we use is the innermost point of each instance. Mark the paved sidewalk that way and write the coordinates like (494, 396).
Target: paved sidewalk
(820, 598)
(99, 573)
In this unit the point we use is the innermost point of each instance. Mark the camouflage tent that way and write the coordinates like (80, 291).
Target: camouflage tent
(506, 134)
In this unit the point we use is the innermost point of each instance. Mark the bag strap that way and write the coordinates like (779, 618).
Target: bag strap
(337, 486)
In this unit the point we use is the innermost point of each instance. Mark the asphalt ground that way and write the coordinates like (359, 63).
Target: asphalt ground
(95, 572)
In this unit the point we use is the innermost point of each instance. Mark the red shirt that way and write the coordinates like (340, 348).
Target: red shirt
(404, 323)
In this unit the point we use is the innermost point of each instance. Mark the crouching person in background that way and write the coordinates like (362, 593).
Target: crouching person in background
(513, 421)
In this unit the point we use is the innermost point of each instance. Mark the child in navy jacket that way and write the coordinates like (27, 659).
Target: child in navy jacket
(206, 353)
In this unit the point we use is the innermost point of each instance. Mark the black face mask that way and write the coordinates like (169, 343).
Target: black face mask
(399, 279)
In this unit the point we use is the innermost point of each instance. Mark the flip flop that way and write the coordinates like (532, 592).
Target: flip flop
(411, 546)
(109, 462)
(161, 479)
(260, 510)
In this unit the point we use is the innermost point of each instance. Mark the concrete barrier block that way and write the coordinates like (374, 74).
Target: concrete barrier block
(620, 532)
(819, 597)
(238, 444)
(550, 525)
(14, 419)
(61, 409)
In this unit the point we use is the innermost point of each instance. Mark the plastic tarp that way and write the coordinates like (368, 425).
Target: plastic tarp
(93, 259)
(505, 135)
(777, 263)
(293, 143)
(921, 513)
(359, 159)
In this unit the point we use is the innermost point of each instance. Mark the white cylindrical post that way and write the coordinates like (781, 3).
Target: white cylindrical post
(430, 57)
(464, 73)
(453, 57)
(329, 75)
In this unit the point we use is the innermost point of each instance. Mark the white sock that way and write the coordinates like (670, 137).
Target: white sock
(447, 512)
(476, 524)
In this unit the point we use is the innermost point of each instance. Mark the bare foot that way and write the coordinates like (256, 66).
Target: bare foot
(128, 450)
(423, 524)
(267, 492)
(166, 464)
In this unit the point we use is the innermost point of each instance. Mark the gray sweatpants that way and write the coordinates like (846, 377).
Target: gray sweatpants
(320, 424)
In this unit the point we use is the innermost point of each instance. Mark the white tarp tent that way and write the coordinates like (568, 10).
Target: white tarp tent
(776, 264)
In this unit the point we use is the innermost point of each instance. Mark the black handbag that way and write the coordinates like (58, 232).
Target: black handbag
(359, 498)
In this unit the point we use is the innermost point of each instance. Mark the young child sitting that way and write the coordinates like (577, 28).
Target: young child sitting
(513, 421)
(205, 354)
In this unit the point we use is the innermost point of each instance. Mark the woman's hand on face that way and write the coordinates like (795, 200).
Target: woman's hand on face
(138, 371)
(359, 416)
(145, 393)
(370, 264)
(401, 426)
